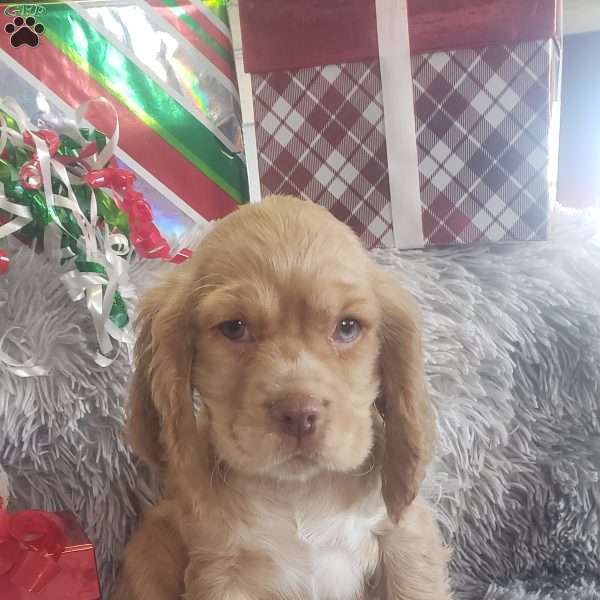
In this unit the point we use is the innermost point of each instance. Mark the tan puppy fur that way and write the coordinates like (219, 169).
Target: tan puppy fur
(286, 483)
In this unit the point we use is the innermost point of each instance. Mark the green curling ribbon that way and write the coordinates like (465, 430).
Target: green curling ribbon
(41, 214)
(18, 156)
(111, 213)
(94, 136)
(100, 141)
(7, 171)
(84, 195)
(89, 266)
(9, 120)
(72, 230)
(118, 312)
(58, 187)
(68, 147)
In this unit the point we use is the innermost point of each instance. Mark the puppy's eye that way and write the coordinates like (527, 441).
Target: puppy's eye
(347, 331)
(236, 331)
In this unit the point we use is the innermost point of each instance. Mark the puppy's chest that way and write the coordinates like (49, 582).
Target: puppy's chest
(316, 553)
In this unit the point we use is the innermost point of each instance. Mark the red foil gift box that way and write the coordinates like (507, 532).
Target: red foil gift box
(45, 556)
(417, 122)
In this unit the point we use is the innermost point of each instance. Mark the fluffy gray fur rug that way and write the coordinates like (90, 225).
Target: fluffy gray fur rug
(513, 361)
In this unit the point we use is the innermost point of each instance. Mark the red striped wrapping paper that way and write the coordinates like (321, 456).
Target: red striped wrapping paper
(165, 65)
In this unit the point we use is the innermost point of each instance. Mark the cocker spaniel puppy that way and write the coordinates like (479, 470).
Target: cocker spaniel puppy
(259, 365)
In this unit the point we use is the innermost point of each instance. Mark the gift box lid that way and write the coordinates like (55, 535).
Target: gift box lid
(293, 34)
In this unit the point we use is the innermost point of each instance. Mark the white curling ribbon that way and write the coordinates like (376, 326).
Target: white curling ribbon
(78, 283)
(88, 232)
(99, 302)
(100, 159)
(117, 276)
(119, 244)
(43, 157)
(93, 209)
(88, 286)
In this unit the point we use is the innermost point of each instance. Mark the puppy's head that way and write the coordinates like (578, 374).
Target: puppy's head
(289, 333)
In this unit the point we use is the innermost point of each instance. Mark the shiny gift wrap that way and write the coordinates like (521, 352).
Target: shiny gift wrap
(45, 556)
(167, 68)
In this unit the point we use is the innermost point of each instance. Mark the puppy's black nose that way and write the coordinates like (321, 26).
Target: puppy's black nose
(296, 416)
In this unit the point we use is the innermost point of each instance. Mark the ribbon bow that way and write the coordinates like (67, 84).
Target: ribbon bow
(31, 542)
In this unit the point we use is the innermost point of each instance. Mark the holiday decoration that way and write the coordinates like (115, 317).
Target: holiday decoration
(166, 67)
(418, 122)
(63, 192)
(45, 556)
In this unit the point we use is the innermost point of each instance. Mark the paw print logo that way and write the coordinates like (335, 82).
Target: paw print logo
(24, 31)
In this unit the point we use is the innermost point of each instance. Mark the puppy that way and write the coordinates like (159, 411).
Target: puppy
(259, 364)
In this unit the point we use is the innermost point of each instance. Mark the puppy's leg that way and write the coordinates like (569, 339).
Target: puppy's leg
(155, 561)
(414, 558)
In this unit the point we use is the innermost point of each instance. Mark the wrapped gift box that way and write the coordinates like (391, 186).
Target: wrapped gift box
(46, 556)
(166, 67)
(465, 149)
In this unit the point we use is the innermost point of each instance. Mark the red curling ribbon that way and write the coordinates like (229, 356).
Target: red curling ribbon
(148, 241)
(140, 211)
(181, 256)
(30, 175)
(31, 542)
(87, 151)
(122, 180)
(99, 178)
(119, 180)
(4, 267)
(50, 137)
(144, 235)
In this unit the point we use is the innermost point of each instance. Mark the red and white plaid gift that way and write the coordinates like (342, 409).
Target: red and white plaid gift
(465, 149)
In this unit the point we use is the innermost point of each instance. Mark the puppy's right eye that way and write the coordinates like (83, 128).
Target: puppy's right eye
(236, 331)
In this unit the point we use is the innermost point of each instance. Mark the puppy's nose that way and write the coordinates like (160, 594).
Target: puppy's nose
(296, 417)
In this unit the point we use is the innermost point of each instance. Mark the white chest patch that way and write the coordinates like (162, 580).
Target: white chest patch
(316, 552)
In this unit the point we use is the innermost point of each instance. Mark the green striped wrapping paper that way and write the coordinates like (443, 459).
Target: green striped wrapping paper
(166, 65)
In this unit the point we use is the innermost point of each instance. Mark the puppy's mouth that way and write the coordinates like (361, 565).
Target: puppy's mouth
(298, 465)
(303, 458)
(301, 449)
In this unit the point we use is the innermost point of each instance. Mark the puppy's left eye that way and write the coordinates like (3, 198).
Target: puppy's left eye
(236, 331)
(347, 331)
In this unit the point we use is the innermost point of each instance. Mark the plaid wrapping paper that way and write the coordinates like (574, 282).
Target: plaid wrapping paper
(320, 135)
(483, 124)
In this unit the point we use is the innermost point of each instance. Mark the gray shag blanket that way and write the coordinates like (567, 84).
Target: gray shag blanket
(512, 337)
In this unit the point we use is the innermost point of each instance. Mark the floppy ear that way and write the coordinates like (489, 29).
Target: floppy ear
(161, 421)
(409, 426)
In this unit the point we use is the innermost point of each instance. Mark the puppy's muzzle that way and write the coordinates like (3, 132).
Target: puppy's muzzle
(297, 415)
